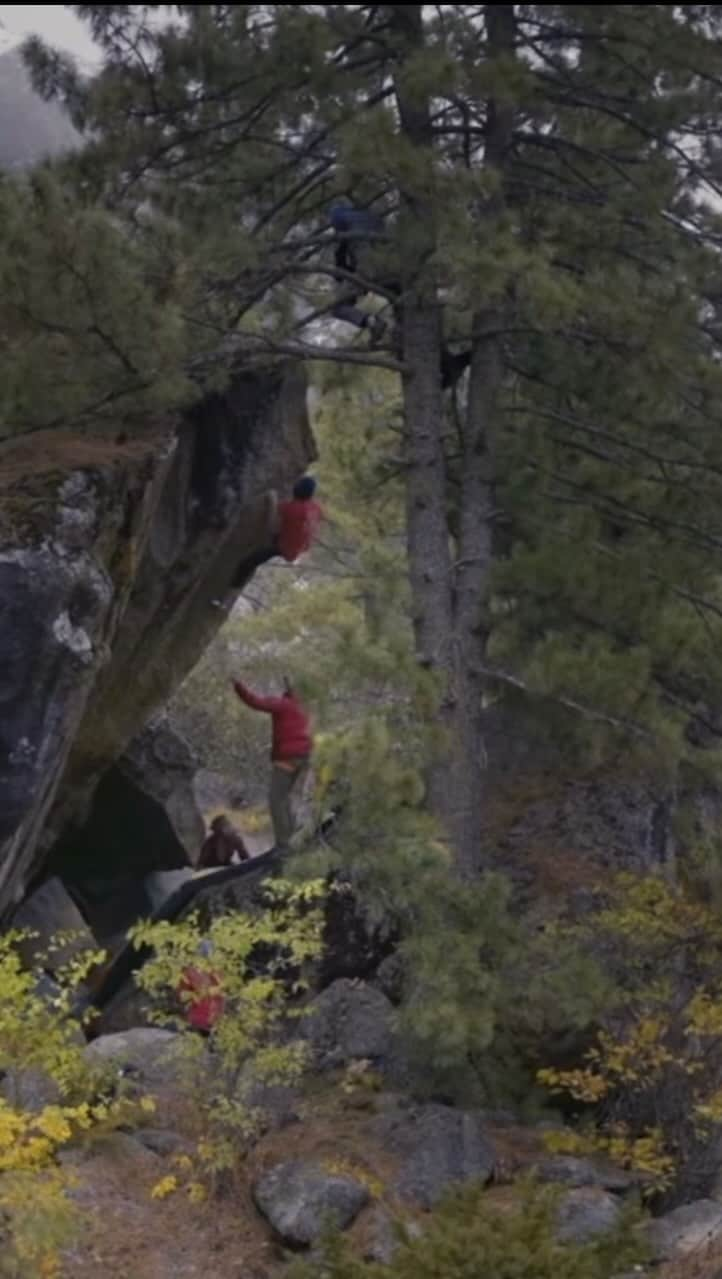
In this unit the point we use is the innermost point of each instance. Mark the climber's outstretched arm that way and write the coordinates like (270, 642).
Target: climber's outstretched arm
(268, 704)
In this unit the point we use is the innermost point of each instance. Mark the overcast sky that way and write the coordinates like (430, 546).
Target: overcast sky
(54, 22)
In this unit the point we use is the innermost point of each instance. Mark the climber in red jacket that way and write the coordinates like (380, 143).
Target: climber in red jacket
(298, 520)
(293, 525)
(291, 748)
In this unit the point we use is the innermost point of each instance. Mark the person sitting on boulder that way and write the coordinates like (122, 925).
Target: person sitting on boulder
(291, 748)
(223, 847)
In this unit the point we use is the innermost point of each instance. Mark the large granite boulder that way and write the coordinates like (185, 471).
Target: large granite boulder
(153, 1057)
(113, 549)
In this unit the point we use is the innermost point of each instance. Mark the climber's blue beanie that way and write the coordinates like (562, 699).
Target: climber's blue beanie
(304, 488)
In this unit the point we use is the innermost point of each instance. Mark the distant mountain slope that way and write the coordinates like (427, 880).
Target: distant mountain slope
(30, 129)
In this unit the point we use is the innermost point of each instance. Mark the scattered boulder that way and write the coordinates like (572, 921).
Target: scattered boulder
(154, 1057)
(685, 1230)
(348, 1021)
(571, 1171)
(301, 1200)
(436, 1146)
(586, 1213)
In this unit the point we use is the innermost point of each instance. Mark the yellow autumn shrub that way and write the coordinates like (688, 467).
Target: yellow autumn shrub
(652, 1079)
(255, 965)
(49, 1098)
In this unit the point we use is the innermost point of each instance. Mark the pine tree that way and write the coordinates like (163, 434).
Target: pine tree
(91, 332)
(547, 176)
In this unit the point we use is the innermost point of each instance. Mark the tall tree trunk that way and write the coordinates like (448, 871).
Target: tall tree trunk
(430, 571)
(477, 501)
(449, 600)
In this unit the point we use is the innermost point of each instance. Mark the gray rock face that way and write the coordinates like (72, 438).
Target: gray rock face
(144, 803)
(154, 1057)
(162, 764)
(112, 552)
(437, 1146)
(301, 1201)
(686, 1230)
(52, 612)
(586, 1213)
(348, 1021)
(49, 911)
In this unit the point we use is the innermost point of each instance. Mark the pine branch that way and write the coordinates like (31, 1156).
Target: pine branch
(571, 703)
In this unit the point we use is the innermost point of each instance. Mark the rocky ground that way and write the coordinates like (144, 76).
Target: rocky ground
(336, 1148)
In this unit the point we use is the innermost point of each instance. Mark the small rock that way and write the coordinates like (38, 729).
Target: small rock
(301, 1200)
(153, 1056)
(586, 1213)
(348, 1021)
(685, 1230)
(116, 1146)
(159, 1140)
(29, 1089)
(383, 1237)
(437, 1146)
(570, 1171)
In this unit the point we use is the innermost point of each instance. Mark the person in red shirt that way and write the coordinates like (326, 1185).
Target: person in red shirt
(291, 748)
(298, 520)
(293, 526)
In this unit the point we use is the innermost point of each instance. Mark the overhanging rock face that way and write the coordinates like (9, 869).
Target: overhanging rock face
(112, 551)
